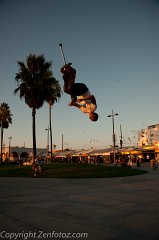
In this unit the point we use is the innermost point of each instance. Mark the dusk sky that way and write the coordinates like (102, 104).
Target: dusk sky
(114, 47)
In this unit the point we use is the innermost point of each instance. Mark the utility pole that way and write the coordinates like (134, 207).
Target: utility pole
(9, 145)
(62, 142)
(121, 137)
(112, 116)
(47, 145)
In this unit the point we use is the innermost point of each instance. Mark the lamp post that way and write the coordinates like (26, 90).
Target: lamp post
(62, 142)
(9, 145)
(47, 146)
(112, 116)
(121, 137)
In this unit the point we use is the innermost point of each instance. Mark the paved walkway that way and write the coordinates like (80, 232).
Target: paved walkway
(107, 209)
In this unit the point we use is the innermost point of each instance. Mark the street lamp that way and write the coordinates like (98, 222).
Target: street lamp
(47, 146)
(112, 116)
(9, 145)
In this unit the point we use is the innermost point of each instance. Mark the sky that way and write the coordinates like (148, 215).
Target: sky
(114, 47)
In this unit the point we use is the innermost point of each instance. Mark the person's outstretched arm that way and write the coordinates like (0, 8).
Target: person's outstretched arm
(74, 104)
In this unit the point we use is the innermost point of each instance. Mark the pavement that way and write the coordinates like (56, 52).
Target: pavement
(95, 209)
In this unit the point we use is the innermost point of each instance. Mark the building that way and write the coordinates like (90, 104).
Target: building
(148, 136)
(16, 153)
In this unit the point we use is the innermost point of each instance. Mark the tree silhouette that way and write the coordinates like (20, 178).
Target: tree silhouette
(5, 120)
(36, 85)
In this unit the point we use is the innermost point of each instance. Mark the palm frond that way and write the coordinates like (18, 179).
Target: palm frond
(5, 115)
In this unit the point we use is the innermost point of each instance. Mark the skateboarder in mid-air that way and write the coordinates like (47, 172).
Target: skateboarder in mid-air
(79, 92)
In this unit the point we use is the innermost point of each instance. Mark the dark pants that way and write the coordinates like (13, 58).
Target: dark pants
(72, 88)
(77, 89)
(68, 84)
(69, 75)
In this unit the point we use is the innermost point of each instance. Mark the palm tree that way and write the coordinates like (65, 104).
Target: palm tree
(5, 120)
(52, 96)
(35, 83)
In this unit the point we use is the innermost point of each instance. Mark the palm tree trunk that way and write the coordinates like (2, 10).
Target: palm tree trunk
(50, 130)
(1, 144)
(34, 135)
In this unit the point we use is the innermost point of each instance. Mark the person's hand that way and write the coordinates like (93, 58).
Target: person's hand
(70, 104)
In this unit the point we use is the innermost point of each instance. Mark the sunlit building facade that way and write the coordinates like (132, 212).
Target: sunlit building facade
(148, 136)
